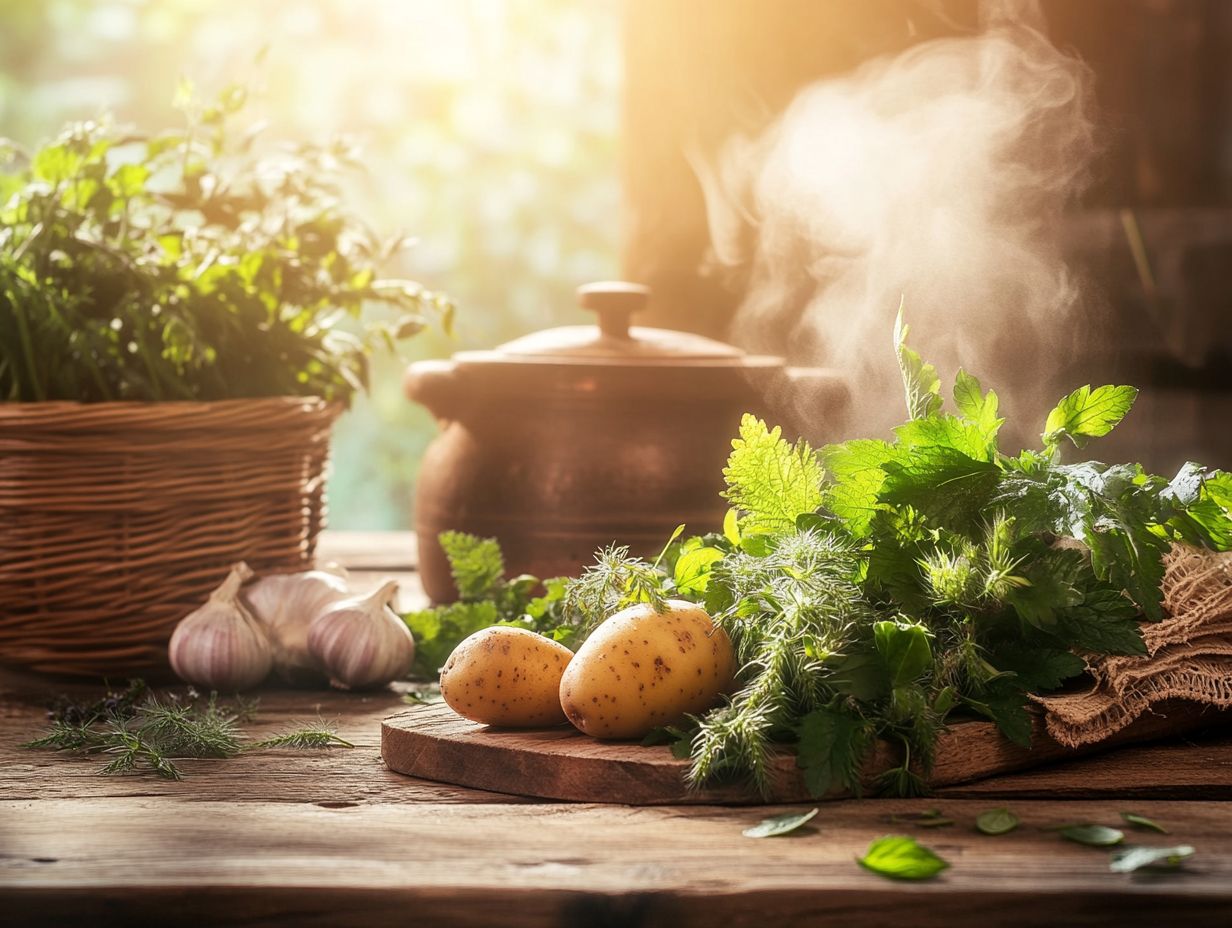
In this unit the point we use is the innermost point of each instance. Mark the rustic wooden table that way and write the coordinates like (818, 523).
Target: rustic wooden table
(333, 838)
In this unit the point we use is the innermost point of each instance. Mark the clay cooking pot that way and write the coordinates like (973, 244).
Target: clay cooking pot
(564, 441)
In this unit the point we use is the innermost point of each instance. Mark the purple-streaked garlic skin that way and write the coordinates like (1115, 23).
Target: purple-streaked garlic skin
(221, 645)
(361, 642)
(286, 605)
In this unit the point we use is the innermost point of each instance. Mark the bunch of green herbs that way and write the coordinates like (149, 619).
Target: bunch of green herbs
(193, 264)
(878, 590)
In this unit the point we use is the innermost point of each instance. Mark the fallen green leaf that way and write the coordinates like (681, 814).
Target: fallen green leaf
(996, 822)
(1141, 821)
(779, 824)
(899, 857)
(1093, 835)
(1129, 859)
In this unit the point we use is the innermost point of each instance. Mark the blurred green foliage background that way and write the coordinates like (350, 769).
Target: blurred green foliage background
(488, 129)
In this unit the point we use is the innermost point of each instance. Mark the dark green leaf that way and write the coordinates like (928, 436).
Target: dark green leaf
(1093, 835)
(830, 750)
(779, 824)
(902, 858)
(904, 649)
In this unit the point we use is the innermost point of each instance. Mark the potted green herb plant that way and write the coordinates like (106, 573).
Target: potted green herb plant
(179, 326)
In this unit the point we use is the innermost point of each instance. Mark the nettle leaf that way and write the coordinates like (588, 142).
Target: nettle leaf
(1007, 709)
(855, 474)
(947, 486)
(1129, 859)
(948, 432)
(1088, 413)
(770, 479)
(900, 857)
(1105, 622)
(1037, 669)
(904, 649)
(920, 380)
(830, 750)
(779, 824)
(976, 406)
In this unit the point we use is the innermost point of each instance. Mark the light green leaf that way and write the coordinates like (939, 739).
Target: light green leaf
(779, 824)
(904, 648)
(902, 858)
(731, 527)
(976, 406)
(1088, 413)
(770, 479)
(855, 472)
(692, 573)
(1129, 859)
(1141, 821)
(920, 381)
(996, 822)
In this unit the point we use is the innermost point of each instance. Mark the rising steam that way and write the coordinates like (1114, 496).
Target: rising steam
(938, 176)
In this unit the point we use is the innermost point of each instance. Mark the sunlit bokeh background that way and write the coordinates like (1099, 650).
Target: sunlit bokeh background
(488, 129)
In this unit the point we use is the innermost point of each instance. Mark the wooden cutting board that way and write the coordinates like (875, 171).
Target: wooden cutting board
(434, 743)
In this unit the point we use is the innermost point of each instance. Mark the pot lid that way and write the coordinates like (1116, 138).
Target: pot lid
(613, 341)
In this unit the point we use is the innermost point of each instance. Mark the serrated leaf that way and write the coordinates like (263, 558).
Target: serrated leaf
(920, 381)
(946, 486)
(779, 824)
(1129, 859)
(830, 750)
(900, 857)
(770, 479)
(854, 469)
(1007, 710)
(1141, 821)
(996, 822)
(1038, 669)
(1088, 413)
(1093, 835)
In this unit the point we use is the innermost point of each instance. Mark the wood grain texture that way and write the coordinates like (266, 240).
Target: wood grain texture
(126, 861)
(433, 742)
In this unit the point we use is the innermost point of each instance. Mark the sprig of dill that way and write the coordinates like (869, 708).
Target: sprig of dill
(140, 732)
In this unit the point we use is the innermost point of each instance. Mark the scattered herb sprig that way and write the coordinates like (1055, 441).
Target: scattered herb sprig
(137, 731)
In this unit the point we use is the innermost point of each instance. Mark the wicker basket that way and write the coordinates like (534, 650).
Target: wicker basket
(118, 519)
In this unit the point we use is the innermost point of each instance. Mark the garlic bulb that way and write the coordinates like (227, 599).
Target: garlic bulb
(285, 605)
(361, 641)
(221, 645)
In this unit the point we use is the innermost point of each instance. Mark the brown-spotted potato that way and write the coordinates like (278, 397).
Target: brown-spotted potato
(506, 676)
(643, 668)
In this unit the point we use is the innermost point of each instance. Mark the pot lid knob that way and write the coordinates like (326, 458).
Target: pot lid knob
(614, 301)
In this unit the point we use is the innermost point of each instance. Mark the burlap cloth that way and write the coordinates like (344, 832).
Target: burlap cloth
(1189, 655)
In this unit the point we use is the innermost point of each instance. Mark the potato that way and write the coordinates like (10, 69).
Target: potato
(643, 668)
(506, 676)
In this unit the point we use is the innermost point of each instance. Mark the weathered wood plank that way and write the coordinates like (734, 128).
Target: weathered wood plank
(119, 861)
(435, 743)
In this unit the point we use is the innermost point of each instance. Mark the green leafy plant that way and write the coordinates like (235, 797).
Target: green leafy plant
(1093, 835)
(876, 591)
(188, 265)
